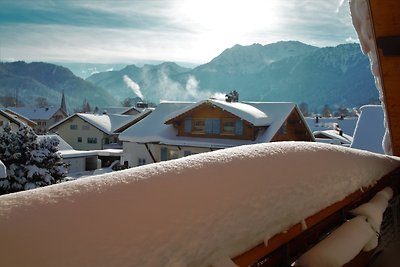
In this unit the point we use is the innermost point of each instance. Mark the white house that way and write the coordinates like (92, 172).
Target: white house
(178, 129)
(84, 131)
(77, 160)
(370, 129)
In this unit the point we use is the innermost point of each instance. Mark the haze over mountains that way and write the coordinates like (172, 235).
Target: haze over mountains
(283, 71)
(26, 82)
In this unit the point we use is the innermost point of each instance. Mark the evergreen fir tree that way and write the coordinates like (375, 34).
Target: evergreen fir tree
(30, 163)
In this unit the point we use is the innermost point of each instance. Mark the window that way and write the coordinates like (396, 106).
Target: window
(228, 127)
(73, 127)
(173, 154)
(1, 123)
(79, 139)
(167, 154)
(92, 140)
(85, 127)
(198, 126)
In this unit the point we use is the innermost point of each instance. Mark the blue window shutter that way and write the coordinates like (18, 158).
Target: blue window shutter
(209, 124)
(239, 127)
(164, 154)
(216, 126)
(188, 125)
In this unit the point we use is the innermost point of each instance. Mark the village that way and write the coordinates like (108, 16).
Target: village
(114, 138)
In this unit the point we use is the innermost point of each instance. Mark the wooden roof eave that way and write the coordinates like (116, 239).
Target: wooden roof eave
(385, 19)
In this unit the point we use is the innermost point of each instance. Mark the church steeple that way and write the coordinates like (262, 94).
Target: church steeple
(63, 104)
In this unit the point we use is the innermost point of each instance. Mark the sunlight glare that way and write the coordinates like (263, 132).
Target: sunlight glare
(227, 17)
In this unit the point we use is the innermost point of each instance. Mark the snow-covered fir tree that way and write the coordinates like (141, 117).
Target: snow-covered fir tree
(30, 163)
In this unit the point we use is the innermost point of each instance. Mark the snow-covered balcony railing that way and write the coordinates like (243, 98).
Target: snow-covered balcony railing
(286, 247)
(201, 210)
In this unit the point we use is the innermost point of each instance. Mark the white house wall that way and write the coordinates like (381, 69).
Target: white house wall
(76, 164)
(83, 130)
(136, 153)
(133, 152)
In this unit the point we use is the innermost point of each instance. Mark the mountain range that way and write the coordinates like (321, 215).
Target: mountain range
(25, 82)
(282, 71)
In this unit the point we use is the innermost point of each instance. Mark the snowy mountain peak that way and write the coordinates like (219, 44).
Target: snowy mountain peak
(252, 58)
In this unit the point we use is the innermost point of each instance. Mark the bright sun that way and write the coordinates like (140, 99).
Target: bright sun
(229, 17)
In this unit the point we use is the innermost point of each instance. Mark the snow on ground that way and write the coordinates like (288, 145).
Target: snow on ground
(194, 211)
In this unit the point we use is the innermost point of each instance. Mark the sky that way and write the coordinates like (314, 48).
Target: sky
(191, 32)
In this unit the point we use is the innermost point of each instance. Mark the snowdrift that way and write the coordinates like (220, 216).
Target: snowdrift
(195, 211)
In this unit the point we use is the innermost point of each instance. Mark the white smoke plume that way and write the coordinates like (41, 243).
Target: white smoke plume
(172, 90)
(134, 86)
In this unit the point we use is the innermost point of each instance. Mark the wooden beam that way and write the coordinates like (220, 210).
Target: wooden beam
(385, 17)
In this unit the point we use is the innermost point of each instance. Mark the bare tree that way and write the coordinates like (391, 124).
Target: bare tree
(304, 109)
(41, 102)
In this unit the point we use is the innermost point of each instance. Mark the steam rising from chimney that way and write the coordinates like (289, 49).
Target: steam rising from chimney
(134, 86)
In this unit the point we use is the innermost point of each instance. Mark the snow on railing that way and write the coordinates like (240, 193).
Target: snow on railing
(199, 210)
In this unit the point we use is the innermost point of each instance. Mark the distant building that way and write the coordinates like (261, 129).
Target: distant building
(346, 124)
(335, 137)
(85, 131)
(14, 120)
(43, 117)
(178, 129)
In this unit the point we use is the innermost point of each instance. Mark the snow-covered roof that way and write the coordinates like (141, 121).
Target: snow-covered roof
(115, 110)
(334, 134)
(194, 211)
(66, 150)
(153, 129)
(35, 113)
(107, 123)
(240, 109)
(347, 124)
(370, 129)
(17, 117)
(10, 117)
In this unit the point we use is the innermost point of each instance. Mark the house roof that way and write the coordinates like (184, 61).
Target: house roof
(370, 129)
(347, 124)
(10, 117)
(334, 134)
(36, 113)
(153, 129)
(242, 110)
(107, 123)
(18, 117)
(66, 149)
(116, 110)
